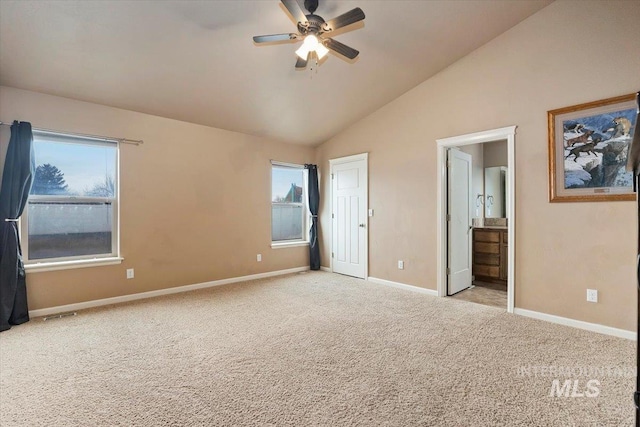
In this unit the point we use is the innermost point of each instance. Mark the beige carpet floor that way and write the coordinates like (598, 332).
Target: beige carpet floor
(308, 349)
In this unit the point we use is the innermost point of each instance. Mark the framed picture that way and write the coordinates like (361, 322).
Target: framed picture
(588, 148)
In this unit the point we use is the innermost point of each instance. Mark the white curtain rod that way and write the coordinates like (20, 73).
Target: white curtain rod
(104, 138)
(288, 165)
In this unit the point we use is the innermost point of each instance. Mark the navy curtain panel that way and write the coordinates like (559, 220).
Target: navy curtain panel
(19, 170)
(314, 202)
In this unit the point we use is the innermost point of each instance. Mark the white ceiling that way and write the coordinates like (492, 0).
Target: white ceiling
(196, 61)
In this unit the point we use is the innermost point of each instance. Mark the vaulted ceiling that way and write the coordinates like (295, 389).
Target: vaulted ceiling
(196, 61)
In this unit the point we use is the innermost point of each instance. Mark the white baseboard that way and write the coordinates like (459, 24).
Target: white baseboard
(594, 327)
(406, 287)
(168, 291)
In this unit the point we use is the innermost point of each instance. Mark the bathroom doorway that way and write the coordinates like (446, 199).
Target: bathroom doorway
(491, 224)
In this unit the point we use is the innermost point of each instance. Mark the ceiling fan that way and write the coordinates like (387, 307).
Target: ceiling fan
(314, 32)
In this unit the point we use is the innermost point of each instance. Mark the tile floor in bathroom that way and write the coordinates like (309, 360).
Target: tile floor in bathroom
(485, 293)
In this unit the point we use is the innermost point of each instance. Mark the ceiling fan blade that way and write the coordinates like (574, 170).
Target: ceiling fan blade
(302, 63)
(343, 20)
(341, 48)
(294, 9)
(275, 38)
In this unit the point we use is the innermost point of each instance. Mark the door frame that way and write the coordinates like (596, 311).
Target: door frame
(508, 133)
(349, 159)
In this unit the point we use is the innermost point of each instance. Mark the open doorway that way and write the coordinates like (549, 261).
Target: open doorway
(482, 238)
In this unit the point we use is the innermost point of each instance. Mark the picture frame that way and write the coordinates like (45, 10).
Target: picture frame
(588, 148)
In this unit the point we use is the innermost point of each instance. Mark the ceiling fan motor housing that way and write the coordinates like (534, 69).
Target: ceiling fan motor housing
(312, 26)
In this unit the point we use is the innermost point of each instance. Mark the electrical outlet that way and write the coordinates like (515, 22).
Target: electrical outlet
(259, 257)
(400, 265)
(592, 295)
(130, 273)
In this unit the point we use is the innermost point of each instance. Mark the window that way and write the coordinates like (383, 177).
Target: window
(72, 211)
(288, 204)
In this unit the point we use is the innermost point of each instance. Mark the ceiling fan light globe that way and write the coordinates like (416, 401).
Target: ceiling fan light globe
(311, 42)
(303, 52)
(321, 51)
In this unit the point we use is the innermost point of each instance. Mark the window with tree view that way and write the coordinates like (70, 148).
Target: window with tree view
(72, 207)
(288, 204)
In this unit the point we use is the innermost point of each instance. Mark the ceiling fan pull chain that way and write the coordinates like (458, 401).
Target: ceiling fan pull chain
(312, 68)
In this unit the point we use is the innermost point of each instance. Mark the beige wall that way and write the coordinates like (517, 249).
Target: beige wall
(568, 53)
(195, 201)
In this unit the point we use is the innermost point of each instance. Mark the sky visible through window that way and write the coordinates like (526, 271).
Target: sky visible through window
(281, 181)
(83, 166)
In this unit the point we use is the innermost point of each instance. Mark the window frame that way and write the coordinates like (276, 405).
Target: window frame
(306, 215)
(58, 263)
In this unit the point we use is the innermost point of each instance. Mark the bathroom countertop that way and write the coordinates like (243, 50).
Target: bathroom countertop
(497, 223)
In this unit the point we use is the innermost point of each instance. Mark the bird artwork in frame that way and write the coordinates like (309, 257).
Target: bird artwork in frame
(588, 150)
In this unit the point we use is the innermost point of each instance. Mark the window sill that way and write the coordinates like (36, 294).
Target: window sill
(288, 245)
(67, 265)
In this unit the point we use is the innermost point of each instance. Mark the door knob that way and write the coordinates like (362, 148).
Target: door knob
(362, 226)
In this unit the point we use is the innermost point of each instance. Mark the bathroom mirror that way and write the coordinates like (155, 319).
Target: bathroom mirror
(495, 192)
